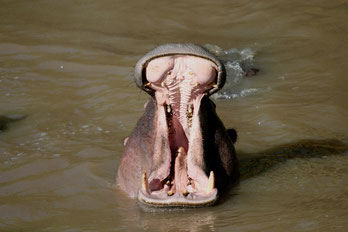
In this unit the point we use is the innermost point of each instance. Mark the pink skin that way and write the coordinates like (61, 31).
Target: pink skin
(179, 140)
(179, 81)
(167, 143)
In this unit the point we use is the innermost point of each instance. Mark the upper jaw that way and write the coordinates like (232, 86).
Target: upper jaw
(187, 49)
(178, 177)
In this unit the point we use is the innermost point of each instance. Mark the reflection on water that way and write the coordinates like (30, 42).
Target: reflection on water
(67, 100)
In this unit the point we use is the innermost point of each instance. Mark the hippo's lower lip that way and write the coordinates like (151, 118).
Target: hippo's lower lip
(177, 200)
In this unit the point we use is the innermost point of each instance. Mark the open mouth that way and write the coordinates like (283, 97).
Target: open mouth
(179, 177)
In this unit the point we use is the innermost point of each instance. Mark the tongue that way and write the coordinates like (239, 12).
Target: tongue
(181, 171)
(177, 137)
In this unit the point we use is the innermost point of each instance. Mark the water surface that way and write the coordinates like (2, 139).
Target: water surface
(66, 70)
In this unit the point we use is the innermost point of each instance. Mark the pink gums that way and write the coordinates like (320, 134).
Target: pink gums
(180, 83)
(180, 79)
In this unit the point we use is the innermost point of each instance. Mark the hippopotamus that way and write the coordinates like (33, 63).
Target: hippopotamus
(179, 154)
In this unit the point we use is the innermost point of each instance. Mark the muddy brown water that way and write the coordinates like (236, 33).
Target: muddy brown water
(66, 72)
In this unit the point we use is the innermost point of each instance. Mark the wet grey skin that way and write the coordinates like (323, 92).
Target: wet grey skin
(219, 156)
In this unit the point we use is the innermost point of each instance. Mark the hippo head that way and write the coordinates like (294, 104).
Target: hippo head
(180, 154)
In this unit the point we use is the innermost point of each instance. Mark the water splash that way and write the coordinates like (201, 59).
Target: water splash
(236, 62)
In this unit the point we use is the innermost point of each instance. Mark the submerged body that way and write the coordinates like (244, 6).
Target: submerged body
(179, 154)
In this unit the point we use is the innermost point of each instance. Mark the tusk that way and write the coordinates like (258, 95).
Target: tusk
(169, 108)
(190, 108)
(211, 182)
(145, 183)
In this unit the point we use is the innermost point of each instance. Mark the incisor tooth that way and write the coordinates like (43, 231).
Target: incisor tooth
(211, 182)
(145, 183)
(170, 193)
(147, 84)
(214, 85)
(185, 193)
(163, 84)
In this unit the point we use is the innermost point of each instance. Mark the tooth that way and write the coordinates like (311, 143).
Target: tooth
(166, 187)
(214, 85)
(189, 108)
(170, 193)
(211, 182)
(191, 73)
(145, 184)
(169, 108)
(196, 84)
(163, 84)
(185, 193)
(147, 84)
(180, 150)
(189, 182)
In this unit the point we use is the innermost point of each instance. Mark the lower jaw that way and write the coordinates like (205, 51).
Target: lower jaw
(178, 200)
